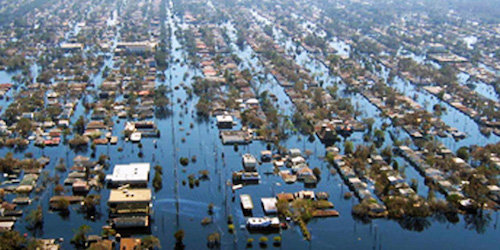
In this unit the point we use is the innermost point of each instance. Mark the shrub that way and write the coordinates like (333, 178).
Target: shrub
(184, 161)
(58, 189)
(211, 208)
(249, 242)
(213, 240)
(277, 240)
(347, 195)
(179, 235)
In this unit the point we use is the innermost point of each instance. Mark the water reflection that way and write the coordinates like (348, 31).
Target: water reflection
(417, 224)
(478, 222)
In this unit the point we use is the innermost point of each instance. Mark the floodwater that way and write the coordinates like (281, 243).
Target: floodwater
(178, 206)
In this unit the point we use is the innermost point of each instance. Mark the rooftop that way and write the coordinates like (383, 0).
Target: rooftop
(133, 172)
(129, 243)
(130, 195)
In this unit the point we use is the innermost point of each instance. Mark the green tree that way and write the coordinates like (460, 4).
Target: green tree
(184, 161)
(35, 217)
(463, 152)
(379, 135)
(476, 191)
(179, 236)
(24, 126)
(317, 172)
(150, 242)
(369, 123)
(80, 235)
(12, 240)
(348, 147)
(387, 153)
(90, 202)
(213, 240)
(79, 126)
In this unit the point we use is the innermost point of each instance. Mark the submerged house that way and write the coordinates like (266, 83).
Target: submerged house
(130, 208)
(224, 121)
(263, 223)
(249, 162)
(123, 202)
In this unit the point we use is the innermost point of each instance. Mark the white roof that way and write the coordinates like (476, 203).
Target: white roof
(224, 118)
(294, 151)
(249, 159)
(269, 204)
(252, 101)
(493, 188)
(298, 159)
(279, 163)
(6, 225)
(457, 160)
(136, 136)
(246, 201)
(72, 46)
(262, 221)
(133, 172)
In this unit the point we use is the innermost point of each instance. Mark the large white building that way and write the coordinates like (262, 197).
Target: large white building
(135, 47)
(136, 174)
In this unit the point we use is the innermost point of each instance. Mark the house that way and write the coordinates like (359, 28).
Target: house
(246, 202)
(129, 243)
(297, 160)
(263, 223)
(493, 189)
(242, 176)
(249, 162)
(135, 47)
(304, 173)
(310, 180)
(395, 179)
(128, 222)
(70, 47)
(136, 174)
(48, 244)
(80, 186)
(235, 137)
(6, 225)
(266, 155)
(127, 202)
(294, 152)
(224, 121)
(285, 196)
(269, 205)
(252, 103)
(102, 244)
(305, 194)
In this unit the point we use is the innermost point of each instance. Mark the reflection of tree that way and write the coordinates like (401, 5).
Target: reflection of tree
(64, 214)
(80, 149)
(477, 191)
(35, 221)
(477, 222)
(417, 224)
(440, 217)
(452, 217)
(363, 219)
(162, 113)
